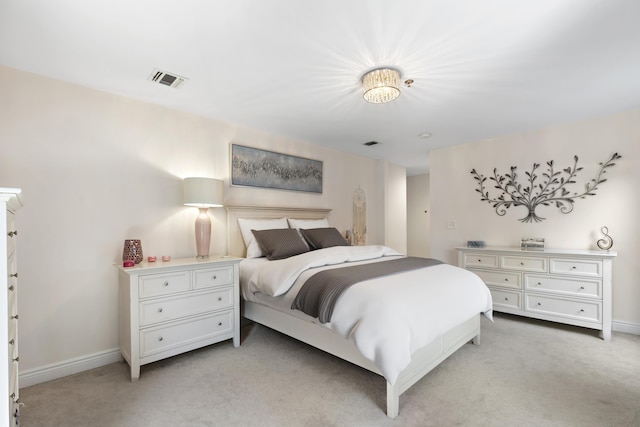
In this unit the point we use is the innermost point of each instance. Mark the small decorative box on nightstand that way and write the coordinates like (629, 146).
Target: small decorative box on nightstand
(172, 307)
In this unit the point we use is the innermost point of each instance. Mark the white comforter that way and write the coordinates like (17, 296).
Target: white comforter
(387, 318)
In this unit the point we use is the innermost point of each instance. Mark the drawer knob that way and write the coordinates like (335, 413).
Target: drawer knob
(539, 303)
(219, 298)
(521, 263)
(214, 277)
(506, 298)
(582, 310)
(506, 279)
(160, 310)
(166, 283)
(219, 323)
(479, 260)
(573, 267)
(581, 287)
(539, 284)
(160, 338)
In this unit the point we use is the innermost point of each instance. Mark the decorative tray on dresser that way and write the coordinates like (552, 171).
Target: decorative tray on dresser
(561, 285)
(168, 308)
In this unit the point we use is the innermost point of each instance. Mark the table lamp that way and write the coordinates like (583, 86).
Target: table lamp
(203, 193)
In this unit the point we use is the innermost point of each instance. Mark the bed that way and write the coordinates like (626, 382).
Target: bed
(323, 336)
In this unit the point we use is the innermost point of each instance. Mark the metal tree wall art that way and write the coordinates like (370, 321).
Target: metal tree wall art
(549, 190)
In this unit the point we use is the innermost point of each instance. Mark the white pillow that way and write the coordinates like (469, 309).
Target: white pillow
(248, 224)
(308, 223)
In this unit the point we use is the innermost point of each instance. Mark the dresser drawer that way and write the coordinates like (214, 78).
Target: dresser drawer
(165, 338)
(506, 299)
(152, 285)
(590, 288)
(12, 298)
(505, 279)
(13, 338)
(155, 311)
(477, 259)
(213, 277)
(528, 263)
(577, 310)
(11, 241)
(575, 267)
(14, 391)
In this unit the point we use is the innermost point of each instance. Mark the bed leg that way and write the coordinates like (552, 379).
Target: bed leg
(476, 340)
(393, 401)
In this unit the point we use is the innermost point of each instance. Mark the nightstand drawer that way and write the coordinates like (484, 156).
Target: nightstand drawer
(506, 299)
(576, 310)
(524, 263)
(500, 278)
(589, 288)
(159, 339)
(213, 277)
(576, 267)
(152, 285)
(480, 260)
(188, 305)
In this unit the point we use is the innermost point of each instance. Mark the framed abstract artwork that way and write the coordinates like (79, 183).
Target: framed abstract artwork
(253, 167)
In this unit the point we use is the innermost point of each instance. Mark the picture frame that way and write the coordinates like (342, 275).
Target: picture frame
(255, 167)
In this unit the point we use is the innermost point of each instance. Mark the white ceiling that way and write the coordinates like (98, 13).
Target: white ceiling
(291, 67)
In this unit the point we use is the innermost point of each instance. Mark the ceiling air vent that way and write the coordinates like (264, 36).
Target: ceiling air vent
(167, 79)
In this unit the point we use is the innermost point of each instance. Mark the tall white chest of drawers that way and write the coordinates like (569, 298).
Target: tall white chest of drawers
(168, 308)
(560, 285)
(10, 201)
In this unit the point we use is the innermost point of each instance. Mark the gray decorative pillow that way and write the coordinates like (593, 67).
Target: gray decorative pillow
(319, 238)
(280, 243)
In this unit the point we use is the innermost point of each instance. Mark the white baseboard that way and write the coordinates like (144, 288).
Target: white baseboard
(626, 327)
(69, 367)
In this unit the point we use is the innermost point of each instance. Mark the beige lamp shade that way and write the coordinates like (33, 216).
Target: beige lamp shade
(203, 193)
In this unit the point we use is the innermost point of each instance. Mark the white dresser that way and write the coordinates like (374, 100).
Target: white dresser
(10, 199)
(168, 308)
(560, 285)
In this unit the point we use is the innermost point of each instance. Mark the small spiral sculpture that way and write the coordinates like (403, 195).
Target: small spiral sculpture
(606, 242)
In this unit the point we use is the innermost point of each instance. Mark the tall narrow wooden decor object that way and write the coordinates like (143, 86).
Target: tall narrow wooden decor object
(359, 217)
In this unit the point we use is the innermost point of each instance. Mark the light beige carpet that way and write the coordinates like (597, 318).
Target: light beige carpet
(525, 373)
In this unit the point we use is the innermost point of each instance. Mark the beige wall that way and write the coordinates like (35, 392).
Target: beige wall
(615, 205)
(97, 169)
(395, 207)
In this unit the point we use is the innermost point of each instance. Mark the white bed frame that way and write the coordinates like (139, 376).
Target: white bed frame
(422, 361)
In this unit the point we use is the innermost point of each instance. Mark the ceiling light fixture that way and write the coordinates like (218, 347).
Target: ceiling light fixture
(381, 85)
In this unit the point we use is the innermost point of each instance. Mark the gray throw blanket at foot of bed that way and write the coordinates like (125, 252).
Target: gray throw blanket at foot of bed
(320, 292)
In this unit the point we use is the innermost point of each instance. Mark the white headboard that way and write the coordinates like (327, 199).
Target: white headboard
(234, 238)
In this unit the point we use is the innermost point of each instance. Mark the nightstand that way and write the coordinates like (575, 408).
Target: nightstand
(168, 308)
